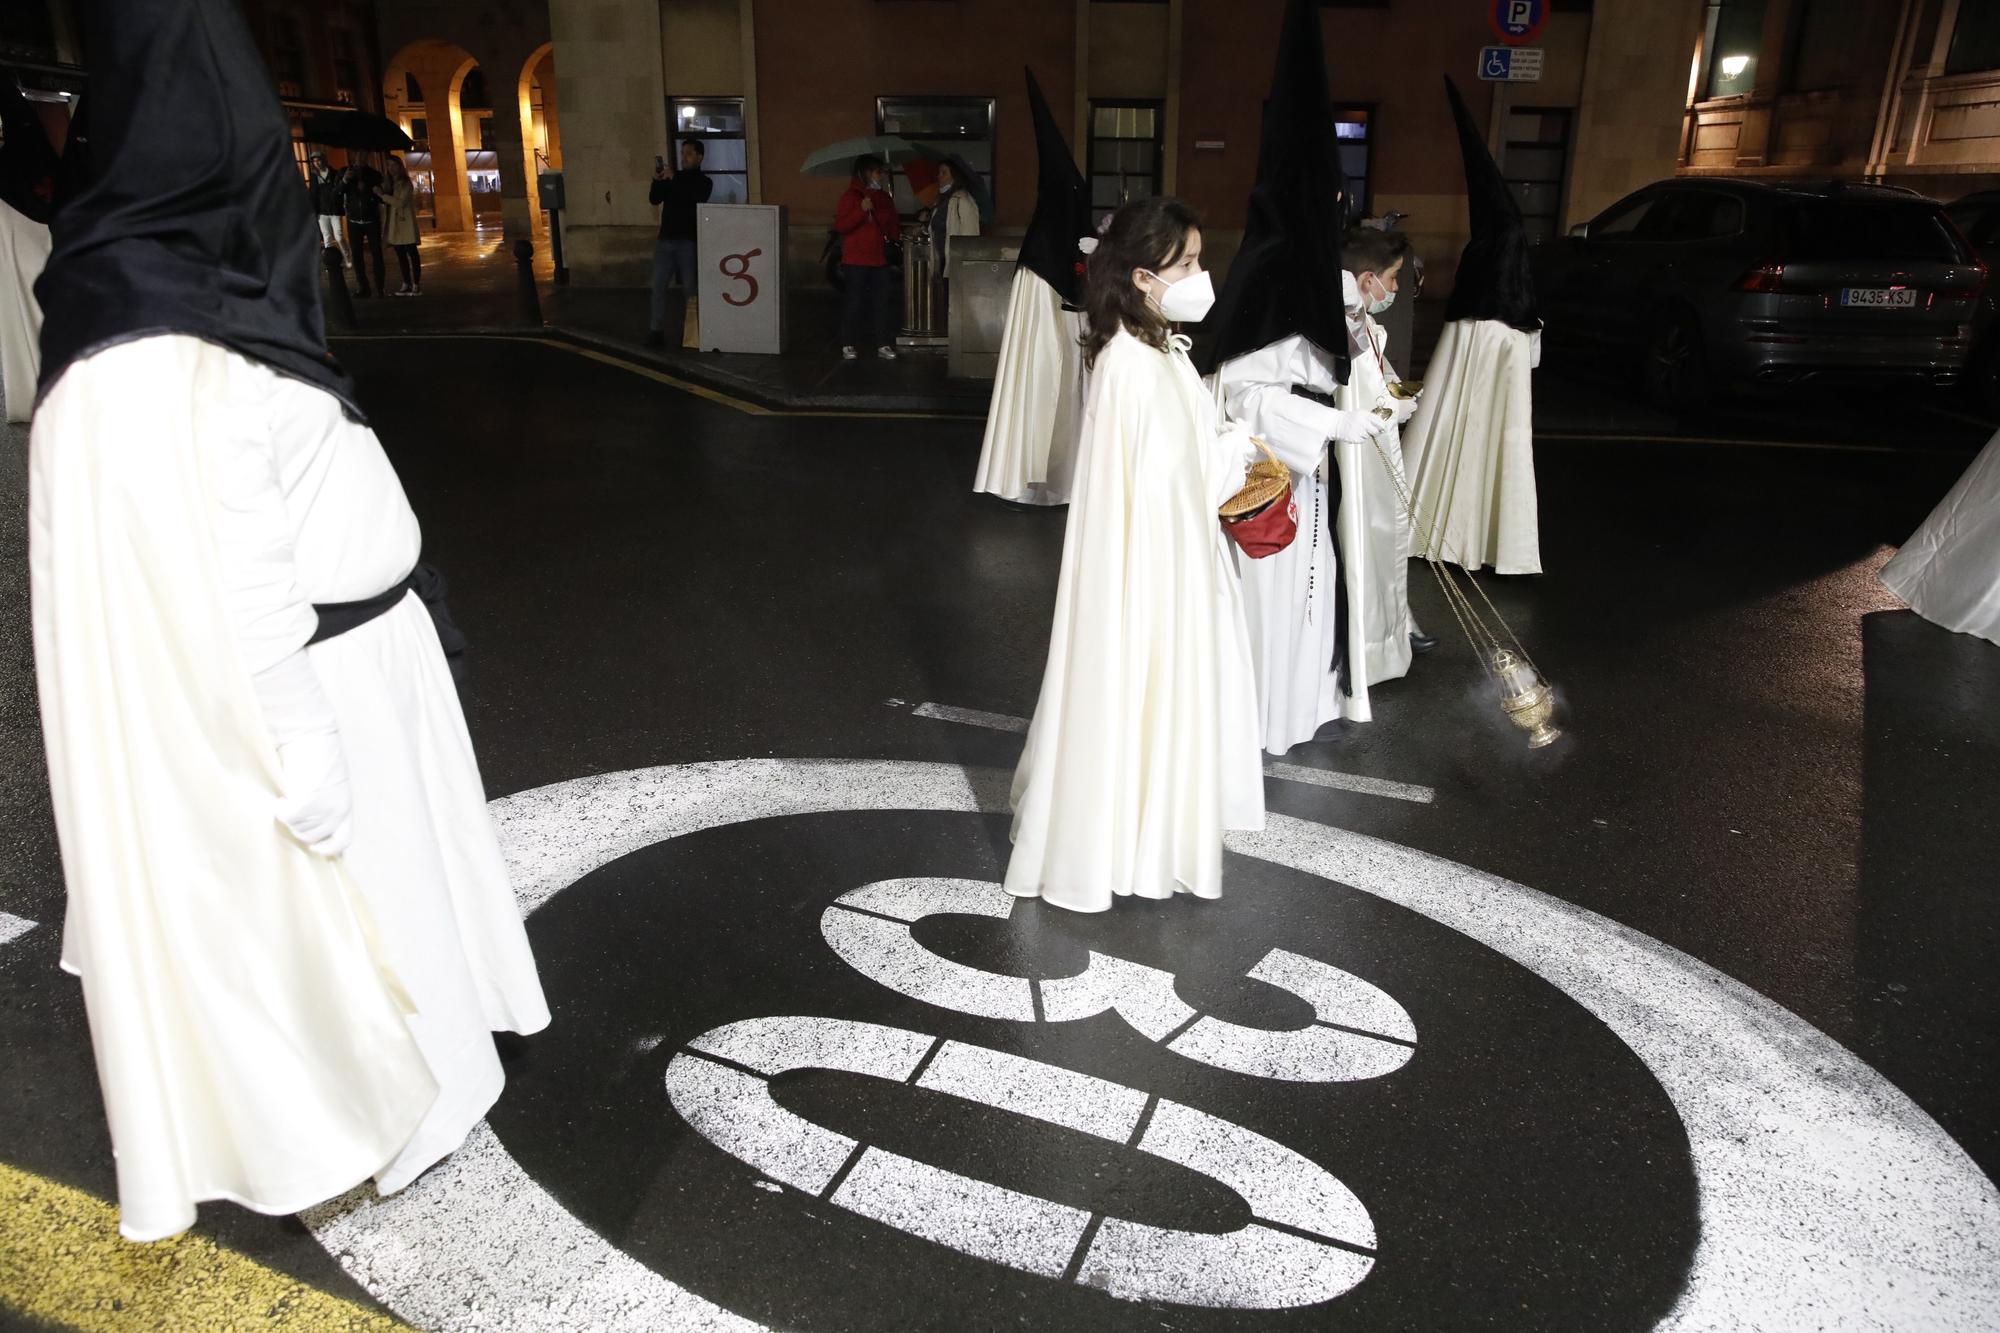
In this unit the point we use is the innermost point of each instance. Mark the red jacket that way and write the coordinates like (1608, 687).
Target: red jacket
(862, 233)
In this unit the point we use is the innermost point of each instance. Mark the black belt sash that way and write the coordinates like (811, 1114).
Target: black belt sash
(1342, 675)
(337, 618)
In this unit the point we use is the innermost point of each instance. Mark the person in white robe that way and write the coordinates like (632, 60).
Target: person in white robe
(27, 171)
(287, 903)
(1948, 572)
(1470, 450)
(1028, 454)
(1143, 748)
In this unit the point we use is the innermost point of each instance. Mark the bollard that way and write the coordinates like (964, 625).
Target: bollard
(339, 302)
(531, 300)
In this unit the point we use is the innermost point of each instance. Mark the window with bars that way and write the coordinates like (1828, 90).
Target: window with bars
(1975, 39)
(1126, 143)
(718, 123)
(288, 55)
(1354, 132)
(1535, 153)
(346, 68)
(962, 126)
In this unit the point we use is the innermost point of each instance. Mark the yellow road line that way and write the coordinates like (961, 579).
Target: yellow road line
(701, 391)
(62, 1262)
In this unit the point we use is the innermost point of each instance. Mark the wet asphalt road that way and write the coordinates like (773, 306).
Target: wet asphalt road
(1769, 765)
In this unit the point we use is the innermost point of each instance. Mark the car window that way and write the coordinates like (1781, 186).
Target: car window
(1978, 223)
(1848, 229)
(1695, 215)
(1621, 220)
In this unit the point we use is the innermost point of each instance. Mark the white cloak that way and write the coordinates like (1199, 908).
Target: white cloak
(1029, 454)
(1385, 529)
(1288, 597)
(1470, 449)
(1949, 569)
(1143, 747)
(24, 250)
(250, 1004)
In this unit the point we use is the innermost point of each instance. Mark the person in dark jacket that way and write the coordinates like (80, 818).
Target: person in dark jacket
(679, 194)
(364, 223)
(866, 220)
(325, 187)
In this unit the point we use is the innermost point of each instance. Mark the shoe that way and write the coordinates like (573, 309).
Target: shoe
(1421, 643)
(406, 290)
(655, 338)
(417, 290)
(886, 353)
(848, 354)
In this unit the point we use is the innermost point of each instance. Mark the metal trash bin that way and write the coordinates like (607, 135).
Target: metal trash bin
(982, 283)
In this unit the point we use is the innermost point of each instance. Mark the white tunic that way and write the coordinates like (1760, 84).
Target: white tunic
(1143, 747)
(1386, 531)
(1470, 449)
(1029, 452)
(24, 250)
(1949, 569)
(249, 1002)
(1288, 597)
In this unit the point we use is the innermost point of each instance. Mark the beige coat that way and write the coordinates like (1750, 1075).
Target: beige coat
(399, 208)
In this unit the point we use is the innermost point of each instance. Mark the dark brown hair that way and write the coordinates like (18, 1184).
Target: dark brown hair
(1147, 233)
(1372, 250)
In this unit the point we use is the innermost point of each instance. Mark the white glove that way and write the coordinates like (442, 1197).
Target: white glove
(1405, 409)
(316, 801)
(318, 804)
(1356, 427)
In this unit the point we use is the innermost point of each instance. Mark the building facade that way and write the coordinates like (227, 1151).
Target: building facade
(1906, 92)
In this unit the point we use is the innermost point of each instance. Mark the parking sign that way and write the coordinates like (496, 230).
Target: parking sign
(1517, 21)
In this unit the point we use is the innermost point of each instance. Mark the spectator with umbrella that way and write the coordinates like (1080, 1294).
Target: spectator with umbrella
(866, 221)
(360, 195)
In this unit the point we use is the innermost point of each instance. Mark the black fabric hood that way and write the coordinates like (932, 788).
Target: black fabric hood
(1493, 281)
(1285, 281)
(190, 216)
(1062, 206)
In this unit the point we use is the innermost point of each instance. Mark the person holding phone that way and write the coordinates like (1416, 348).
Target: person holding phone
(679, 194)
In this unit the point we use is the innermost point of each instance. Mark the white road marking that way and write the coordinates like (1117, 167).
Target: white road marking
(13, 927)
(1327, 777)
(1827, 1198)
(1317, 777)
(1145, 997)
(1253, 1267)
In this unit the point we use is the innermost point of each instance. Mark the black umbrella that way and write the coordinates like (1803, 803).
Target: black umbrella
(356, 129)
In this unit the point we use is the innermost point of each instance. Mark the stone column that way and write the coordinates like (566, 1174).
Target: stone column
(614, 121)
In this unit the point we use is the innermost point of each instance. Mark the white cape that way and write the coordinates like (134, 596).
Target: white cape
(1470, 449)
(1029, 454)
(1288, 597)
(270, 1028)
(1949, 569)
(1143, 747)
(24, 250)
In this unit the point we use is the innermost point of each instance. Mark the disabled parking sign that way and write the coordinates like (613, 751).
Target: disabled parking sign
(1510, 64)
(1518, 21)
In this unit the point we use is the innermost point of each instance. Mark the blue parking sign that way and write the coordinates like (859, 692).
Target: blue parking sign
(1516, 21)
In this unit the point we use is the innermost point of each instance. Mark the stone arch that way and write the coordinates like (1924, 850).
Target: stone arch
(541, 117)
(435, 70)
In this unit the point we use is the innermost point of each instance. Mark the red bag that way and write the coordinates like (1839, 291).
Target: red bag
(1265, 531)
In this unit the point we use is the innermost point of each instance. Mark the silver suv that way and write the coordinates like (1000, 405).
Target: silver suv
(1725, 284)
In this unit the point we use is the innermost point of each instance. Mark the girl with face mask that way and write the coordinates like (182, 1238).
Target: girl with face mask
(1144, 746)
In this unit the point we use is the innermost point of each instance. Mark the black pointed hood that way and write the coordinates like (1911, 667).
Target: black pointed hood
(192, 218)
(1062, 206)
(1285, 281)
(28, 162)
(1493, 280)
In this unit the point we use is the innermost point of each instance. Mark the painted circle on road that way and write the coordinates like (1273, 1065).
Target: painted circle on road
(1825, 1197)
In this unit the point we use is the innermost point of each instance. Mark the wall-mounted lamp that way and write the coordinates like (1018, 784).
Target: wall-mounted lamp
(1734, 65)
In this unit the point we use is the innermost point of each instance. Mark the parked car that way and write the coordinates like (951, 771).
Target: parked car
(1977, 217)
(1709, 284)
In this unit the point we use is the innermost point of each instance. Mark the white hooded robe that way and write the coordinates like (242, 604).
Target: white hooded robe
(1470, 449)
(1029, 453)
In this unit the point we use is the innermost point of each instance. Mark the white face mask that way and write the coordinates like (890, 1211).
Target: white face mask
(1388, 298)
(1187, 301)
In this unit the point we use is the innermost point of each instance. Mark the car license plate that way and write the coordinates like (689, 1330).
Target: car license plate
(1879, 298)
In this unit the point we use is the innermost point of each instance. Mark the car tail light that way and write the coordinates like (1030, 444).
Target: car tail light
(1970, 293)
(1767, 277)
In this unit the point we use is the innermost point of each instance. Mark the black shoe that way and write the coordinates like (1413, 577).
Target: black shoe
(656, 339)
(1421, 643)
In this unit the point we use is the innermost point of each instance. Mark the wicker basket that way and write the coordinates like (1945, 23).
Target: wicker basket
(1266, 480)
